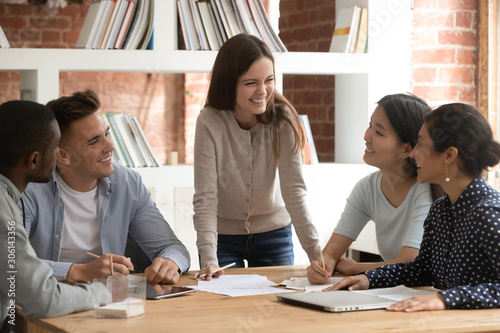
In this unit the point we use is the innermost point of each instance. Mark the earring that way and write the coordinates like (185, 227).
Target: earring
(447, 179)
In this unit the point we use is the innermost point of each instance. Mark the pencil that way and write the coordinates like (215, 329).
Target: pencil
(322, 259)
(96, 256)
(219, 269)
(111, 264)
(92, 255)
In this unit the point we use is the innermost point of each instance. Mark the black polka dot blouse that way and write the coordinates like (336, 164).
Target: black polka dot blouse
(459, 252)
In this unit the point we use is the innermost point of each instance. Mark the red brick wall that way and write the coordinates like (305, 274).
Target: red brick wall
(444, 50)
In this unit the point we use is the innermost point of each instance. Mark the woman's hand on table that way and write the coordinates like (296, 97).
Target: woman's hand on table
(207, 272)
(419, 303)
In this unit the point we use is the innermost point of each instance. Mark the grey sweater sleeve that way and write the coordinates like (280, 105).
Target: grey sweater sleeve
(28, 282)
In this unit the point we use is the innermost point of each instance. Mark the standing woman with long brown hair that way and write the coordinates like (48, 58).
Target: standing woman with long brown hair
(247, 137)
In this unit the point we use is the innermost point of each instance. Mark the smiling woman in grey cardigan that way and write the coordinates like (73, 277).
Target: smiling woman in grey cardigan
(248, 136)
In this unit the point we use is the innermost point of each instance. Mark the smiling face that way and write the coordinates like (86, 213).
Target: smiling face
(86, 151)
(384, 148)
(253, 91)
(431, 165)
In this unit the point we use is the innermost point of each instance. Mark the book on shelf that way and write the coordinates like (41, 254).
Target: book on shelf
(108, 23)
(362, 41)
(200, 30)
(259, 13)
(347, 30)
(125, 25)
(132, 149)
(221, 32)
(230, 13)
(146, 41)
(117, 24)
(207, 24)
(216, 4)
(89, 26)
(309, 155)
(4, 42)
(182, 37)
(245, 19)
(193, 41)
(102, 18)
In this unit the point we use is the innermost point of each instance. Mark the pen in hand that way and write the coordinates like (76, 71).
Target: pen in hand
(111, 261)
(322, 259)
(218, 269)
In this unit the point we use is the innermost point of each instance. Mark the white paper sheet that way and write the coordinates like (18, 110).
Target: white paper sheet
(397, 293)
(240, 285)
(302, 283)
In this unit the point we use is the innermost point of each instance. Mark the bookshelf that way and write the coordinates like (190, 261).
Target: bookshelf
(360, 80)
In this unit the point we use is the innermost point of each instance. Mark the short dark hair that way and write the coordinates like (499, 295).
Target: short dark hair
(79, 105)
(465, 128)
(25, 127)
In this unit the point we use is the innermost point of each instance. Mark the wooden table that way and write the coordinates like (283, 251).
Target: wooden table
(206, 312)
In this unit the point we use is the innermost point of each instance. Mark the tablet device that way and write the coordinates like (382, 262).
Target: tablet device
(336, 301)
(163, 291)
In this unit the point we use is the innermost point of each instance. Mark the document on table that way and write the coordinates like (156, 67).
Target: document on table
(397, 293)
(240, 285)
(302, 283)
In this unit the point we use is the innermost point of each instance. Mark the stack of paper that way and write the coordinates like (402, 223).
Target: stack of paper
(124, 309)
(240, 285)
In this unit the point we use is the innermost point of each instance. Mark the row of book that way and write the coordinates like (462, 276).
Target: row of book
(4, 42)
(132, 149)
(207, 24)
(351, 31)
(118, 24)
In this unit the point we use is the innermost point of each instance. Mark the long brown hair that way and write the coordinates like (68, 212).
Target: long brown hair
(234, 59)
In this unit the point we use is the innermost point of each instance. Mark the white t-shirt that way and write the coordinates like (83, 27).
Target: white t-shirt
(394, 227)
(81, 230)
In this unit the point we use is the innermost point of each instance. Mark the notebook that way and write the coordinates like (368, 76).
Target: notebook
(336, 301)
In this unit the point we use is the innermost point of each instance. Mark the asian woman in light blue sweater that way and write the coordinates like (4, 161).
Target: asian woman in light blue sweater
(391, 197)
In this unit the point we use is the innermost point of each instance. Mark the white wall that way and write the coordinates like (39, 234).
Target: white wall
(328, 186)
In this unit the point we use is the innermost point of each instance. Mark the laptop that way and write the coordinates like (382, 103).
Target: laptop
(336, 301)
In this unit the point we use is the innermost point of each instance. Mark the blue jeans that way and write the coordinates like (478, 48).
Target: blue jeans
(272, 248)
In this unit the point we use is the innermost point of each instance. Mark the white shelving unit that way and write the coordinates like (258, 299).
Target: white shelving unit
(360, 80)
